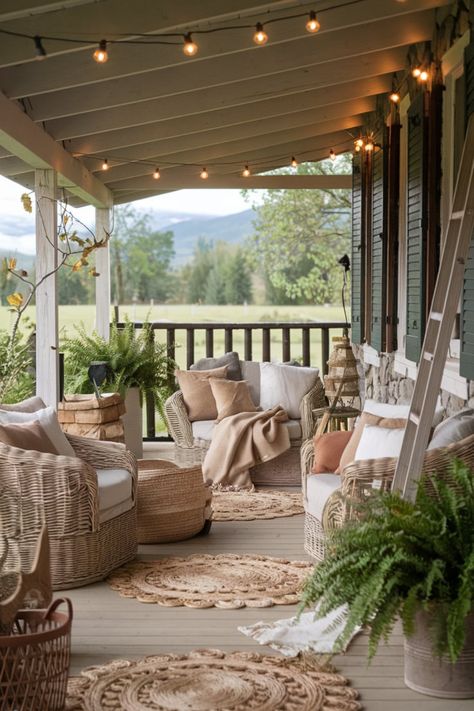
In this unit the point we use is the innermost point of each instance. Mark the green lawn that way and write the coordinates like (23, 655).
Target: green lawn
(69, 316)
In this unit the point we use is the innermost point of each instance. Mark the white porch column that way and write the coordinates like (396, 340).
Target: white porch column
(102, 264)
(47, 358)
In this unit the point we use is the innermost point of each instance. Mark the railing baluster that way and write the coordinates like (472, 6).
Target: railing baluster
(325, 348)
(248, 343)
(171, 353)
(286, 344)
(189, 347)
(209, 343)
(266, 345)
(150, 400)
(228, 339)
(305, 333)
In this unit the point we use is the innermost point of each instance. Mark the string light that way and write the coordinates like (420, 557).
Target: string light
(105, 164)
(246, 172)
(190, 47)
(424, 75)
(40, 52)
(332, 155)
(369, 146)
(394, 97)
(100, 55)
(157, 174)
(260, 37)
(204, 174)
(416, 72)
(313, 24)
(294, 162)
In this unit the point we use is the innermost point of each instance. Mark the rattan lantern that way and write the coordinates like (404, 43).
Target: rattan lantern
(343, 376)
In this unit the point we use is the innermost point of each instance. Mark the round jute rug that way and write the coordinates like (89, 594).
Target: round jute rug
(250, 505)
(228, 581)
(209, 680)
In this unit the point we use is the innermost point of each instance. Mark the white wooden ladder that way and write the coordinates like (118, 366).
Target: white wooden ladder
(440, 324)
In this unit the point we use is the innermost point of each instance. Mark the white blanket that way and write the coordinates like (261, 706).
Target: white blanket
(306, 634)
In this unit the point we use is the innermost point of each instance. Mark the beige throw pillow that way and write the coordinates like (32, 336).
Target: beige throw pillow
(28, 435)
(197, 393)
(366, 418)
(232, 397)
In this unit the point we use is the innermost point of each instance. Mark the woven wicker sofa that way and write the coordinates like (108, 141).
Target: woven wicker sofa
(356, 482)
(88, 538)
(192, 439)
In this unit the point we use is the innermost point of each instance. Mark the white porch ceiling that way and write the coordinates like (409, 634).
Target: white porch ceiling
(234, 103)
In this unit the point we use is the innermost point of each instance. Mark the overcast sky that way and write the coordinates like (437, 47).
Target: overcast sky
(17, 226)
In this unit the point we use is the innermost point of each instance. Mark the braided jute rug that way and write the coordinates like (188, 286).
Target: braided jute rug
(210, 680)
(226, 580)
(251, 505)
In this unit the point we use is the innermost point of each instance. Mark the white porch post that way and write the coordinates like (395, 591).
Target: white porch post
(102, 265)
(47, 357)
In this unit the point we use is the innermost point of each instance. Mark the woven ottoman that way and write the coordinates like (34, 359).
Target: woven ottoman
(173, 503)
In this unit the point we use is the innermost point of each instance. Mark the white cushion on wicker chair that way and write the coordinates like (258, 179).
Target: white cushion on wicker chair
(319, 488)
(115, 492)
(203, 429)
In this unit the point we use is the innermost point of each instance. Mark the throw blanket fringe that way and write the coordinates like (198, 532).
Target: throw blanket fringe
(240, 442)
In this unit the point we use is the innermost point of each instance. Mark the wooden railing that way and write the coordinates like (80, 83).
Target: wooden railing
(250, 332)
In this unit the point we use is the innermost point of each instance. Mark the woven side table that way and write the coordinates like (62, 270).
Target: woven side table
(88, 416)
(173, 503)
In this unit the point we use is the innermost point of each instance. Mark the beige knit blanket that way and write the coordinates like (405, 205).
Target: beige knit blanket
(241, 441)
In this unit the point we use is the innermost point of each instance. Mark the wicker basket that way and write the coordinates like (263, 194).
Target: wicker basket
(34, 660)
(173, 503)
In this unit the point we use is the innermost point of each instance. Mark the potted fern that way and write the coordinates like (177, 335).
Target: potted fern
(137, 366)
(416, 562)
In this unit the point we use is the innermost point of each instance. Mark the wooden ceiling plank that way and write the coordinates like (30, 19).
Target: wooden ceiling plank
(354, 99)
(215, 72)
(286, 86)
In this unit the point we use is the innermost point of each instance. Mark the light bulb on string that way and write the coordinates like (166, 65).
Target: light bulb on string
(100, 55)
(294, 162)
(369, 146)
(424, 75)
(332, 155)
(415, 72)
(260, 37)
(105, 164)
(358, 144)
(246, 172)
(157, 174)
(357, 148)
(40, 52)
(313, 24)
(190, 47)
(204, 174)
(394, 97)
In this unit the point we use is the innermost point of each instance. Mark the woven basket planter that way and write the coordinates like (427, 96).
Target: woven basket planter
(173, 503)
(34, 660)
(97, 418)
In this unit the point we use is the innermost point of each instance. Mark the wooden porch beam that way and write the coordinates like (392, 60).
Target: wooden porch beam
(24, 139)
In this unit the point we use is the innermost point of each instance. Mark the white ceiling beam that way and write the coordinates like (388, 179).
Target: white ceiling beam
(302, 88)
(76, 67)
(245, 137)
(254, 63)
(21, 9)
(353, 100)
(23, 138)
(115, 17)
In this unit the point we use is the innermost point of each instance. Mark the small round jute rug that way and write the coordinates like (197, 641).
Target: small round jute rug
(251, 505)
(228, 581)
(210, 680)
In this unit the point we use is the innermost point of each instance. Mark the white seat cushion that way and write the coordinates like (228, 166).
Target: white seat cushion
(115, 492)
(319, 488)
(203, 429)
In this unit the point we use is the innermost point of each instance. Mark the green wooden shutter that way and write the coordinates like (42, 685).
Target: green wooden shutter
(416, 228)
(357, 265)
(466, 366)
(379, 249)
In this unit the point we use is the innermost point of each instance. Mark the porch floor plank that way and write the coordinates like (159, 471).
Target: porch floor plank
(107, 626)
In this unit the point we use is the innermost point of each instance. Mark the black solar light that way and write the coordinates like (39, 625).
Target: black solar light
(98, 371)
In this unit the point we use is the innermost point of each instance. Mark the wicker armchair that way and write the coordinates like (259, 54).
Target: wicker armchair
(63, 491)
(283, 471)
(358, 481)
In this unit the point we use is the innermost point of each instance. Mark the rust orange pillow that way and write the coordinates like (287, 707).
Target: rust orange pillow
(328, 449)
